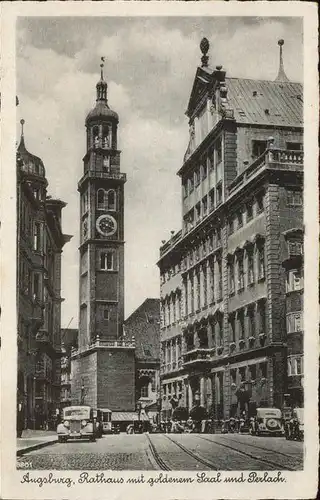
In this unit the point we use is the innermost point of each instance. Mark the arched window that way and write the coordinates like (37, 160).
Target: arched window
(95, 137)
(111, 199)
(106, 137)
(101, 199)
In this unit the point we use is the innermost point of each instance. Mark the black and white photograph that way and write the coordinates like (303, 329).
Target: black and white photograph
(160, 254)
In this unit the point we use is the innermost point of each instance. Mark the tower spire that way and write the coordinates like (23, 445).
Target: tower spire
(102, 86)
(22, 122)
(282, 77)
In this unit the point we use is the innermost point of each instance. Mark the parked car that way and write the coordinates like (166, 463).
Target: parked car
(267, 421)
(78, 423)
(294, 427)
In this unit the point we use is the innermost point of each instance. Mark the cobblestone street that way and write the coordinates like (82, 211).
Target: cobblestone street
(169, 452)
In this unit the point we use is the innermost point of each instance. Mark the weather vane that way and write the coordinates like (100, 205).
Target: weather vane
(102, 66)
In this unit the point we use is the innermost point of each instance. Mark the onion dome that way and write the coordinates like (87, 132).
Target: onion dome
(101, 109)
(27, 162)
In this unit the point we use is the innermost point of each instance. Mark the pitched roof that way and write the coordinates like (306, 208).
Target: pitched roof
(144, 325)
(251, 98)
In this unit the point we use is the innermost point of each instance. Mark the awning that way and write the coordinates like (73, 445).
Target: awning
(119, 416)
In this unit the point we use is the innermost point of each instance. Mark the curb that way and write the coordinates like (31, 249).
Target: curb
(35, 447)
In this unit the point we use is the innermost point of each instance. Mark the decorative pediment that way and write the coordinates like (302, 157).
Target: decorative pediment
(200, 88)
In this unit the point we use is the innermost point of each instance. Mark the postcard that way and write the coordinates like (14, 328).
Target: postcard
(159, 250)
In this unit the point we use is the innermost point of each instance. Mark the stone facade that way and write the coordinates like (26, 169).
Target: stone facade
(225, 301)
(39, 246)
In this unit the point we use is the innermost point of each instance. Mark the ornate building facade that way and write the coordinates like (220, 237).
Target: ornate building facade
(40, 241)
(232, 278)
(103, 366)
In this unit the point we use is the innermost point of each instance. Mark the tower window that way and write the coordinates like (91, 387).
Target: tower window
(111, 200)
(106, 314)
(102, 200)
(106, 261)
(37, 236)
(96, 138)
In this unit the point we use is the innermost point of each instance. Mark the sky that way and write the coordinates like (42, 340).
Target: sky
(150, 64)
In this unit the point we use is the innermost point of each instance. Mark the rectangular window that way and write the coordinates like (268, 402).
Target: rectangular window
(262, 317)
(197, 212)
(249, 207)
(147, 350)
(185, 189)
(211, 199)
(239, 219)
(251, 321)
(294, 197)
(295, 365)
(191, 184)
(218, 237)
(144, 391)
(258, 148)
(294, 248)
(211, 161)
(203, 170)
(106, 261)
(241, 324)
(37, 236)
(231, 278)
(232, 329)
(250, 267)
(204, 206)
(240, 273)
(196, 178)
(261, 264)
(219, 193)
(294, 322)
(106, 314)
(218, 151)
(260, 203)
(36, 286)
(294, 280)
(294, 146)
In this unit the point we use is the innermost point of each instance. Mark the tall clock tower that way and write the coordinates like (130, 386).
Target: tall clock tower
(103, 367)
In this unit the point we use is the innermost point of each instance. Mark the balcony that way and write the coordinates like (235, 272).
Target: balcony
(94, 174)
(280, 159)
(104, 344)
(200, 355)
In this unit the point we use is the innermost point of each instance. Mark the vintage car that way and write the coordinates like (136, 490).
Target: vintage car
(294, 427)
(78, 422)
(267, 421)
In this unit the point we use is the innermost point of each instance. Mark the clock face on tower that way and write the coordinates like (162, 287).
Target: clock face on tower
(106, 225)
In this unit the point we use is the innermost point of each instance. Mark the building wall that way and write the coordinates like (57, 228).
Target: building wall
(84, 380)
(116, 379)
(232, 369)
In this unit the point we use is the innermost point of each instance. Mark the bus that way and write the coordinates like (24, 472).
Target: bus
(77, 423)
(106, 417)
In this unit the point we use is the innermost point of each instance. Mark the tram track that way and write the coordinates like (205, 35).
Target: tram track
(159, 461)
(164, 465)
(272, 463)
(199, 459)
(268, 450)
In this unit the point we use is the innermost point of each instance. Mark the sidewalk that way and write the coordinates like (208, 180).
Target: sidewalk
(33, 440)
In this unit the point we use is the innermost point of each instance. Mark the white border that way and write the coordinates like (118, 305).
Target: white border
(302, 484)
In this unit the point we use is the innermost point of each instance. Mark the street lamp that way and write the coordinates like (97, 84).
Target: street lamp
(82, 393)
